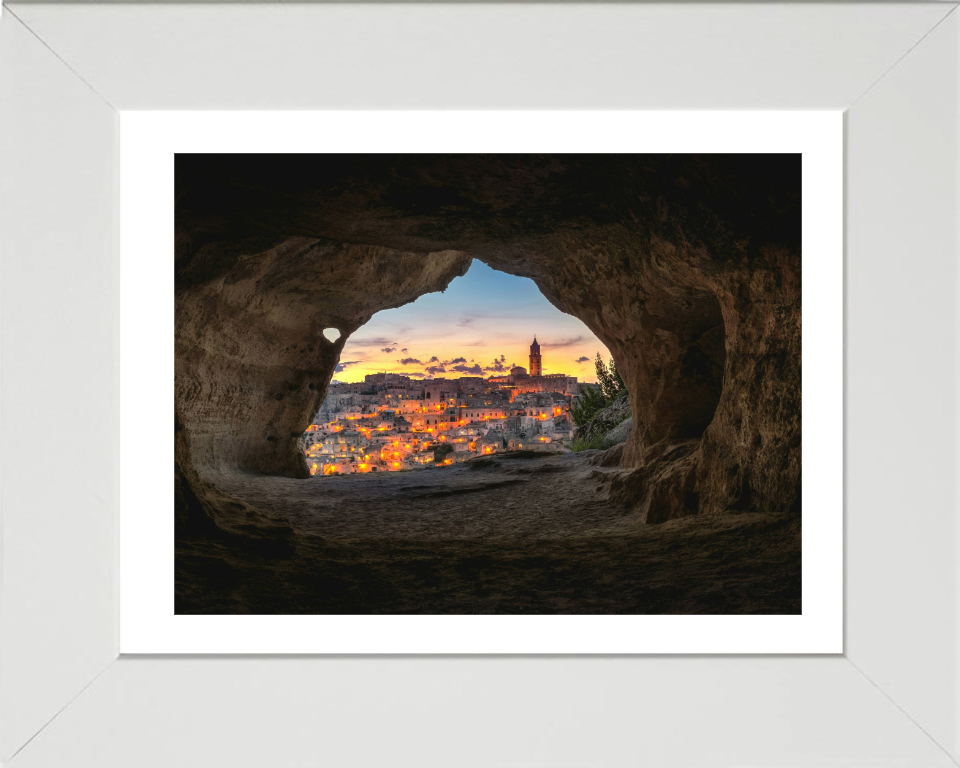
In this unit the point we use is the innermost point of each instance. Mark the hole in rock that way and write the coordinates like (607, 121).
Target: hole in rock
(331, 334)
(685, 382)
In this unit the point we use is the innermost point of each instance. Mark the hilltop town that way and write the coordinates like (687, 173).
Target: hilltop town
(390, 422)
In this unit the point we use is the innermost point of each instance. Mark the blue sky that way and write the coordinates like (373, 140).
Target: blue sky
(483, 323)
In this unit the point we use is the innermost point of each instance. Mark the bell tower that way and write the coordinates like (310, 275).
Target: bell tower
(536, 369)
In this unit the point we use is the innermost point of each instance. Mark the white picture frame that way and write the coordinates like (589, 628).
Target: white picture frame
(890, 699)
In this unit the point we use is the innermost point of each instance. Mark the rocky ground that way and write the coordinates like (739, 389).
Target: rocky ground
(530, 533)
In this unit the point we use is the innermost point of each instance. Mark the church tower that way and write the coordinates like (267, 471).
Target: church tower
(536, 369)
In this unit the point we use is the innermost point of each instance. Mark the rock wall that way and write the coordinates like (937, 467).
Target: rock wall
(252, 362)
(600, 425)
(686, 267)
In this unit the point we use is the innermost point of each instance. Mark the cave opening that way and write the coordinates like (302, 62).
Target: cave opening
(480, 391)
(484, 367)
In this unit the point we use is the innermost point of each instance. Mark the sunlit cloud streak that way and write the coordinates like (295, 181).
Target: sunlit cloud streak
(574, 342)
(375, 342)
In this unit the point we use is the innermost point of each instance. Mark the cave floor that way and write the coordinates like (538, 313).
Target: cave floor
(495, 535)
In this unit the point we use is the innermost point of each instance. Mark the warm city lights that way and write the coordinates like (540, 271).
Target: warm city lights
(472, 416)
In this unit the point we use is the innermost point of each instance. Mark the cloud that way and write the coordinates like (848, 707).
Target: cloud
(375, 342)
(572, 342)
(503, 358)
(342, 366)
(409, 360)
(388, 350)
(476, 370)
(582, 360)
(434, 369)
(415, 375)
(465, 320)
(404, 349)
(496, 366)
(458, 360)
(433, 359)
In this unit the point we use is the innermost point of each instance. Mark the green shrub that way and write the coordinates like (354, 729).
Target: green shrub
(594, 399)
(587, 405)
(609, 380)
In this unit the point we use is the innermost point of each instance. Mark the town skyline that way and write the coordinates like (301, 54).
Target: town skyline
(394, 423)
(482, 325)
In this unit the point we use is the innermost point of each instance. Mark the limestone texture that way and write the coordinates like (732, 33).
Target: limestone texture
(620, 433)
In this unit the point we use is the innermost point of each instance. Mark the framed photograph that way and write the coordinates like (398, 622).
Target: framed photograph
(486, 388)
(428, 494)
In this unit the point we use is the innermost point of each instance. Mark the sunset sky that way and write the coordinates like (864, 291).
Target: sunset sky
(482, 325)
